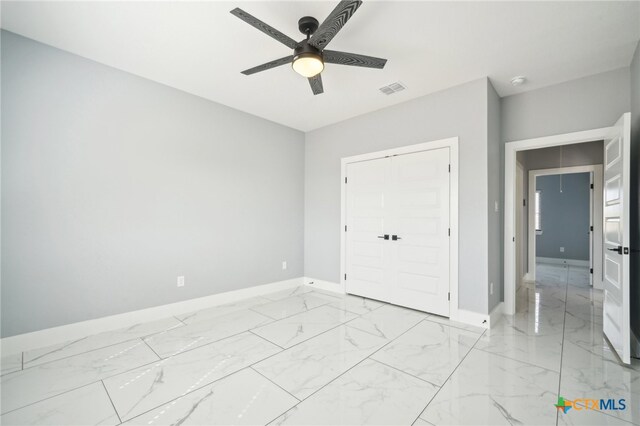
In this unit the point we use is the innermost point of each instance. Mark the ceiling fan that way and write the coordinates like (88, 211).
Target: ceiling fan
(309, 55)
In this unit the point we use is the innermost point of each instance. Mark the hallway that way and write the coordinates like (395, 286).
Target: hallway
(559, 326)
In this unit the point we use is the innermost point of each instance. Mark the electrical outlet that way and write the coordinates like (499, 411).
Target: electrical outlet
(284, 265)
(181, 281)
(491, 288)
(561, 249)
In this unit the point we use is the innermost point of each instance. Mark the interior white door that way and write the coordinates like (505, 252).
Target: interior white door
(616, 322)
(419, 206)
(398, 230)
(520, 262)
(367, 254)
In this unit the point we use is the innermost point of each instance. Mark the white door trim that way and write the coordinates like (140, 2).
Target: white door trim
(452, 144)
(510, 150)
(595, 215)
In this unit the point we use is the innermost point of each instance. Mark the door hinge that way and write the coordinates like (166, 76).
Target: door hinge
(591, 270)
(449, 168)
(345, 179)
(591, 228)
(345, 228)
(524, 202)
(449, 232)
(448, 296)
(591, 186)
(345, 277)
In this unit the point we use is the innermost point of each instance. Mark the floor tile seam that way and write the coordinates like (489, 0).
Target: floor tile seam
(459, 327)
(50, 397)
(266, 340)
(445, 382)
(96, 349)
(280, 387)
(354, 366)
(209, 343)
(288, 316)
(302, 313)
(404, 372)
(182, 395)
(111, 400)
(529, 363)
(293, 346)
(152, 350)
(266, 295)
(310, 337)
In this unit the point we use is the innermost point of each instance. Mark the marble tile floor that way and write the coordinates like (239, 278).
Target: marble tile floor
(303, 356)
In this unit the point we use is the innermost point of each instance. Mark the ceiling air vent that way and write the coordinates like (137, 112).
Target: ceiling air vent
(393, 88)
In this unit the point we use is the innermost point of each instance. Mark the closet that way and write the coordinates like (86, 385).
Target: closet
(397, 216)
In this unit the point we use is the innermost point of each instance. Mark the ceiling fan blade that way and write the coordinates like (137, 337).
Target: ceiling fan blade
(334, 22)
(267, 29)
(353, 59)
(268, 65)
(316, 84)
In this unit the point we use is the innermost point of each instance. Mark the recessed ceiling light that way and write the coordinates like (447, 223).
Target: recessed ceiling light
(519, 80)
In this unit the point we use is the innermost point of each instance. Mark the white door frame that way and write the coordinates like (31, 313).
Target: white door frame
(510, 150)
(595, 216)
(452, 144)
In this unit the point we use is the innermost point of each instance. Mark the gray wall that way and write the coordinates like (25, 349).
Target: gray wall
(113, 185)
(565, 216)
(460, 111)
(579, 154)
(587, 103)
(635, 192)
(495, 169)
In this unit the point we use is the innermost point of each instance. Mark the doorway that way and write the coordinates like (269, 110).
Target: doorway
(565, 207)
(616, 216)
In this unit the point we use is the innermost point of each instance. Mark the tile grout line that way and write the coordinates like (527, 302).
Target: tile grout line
(404, 372)
(271, 381)
(267, 340)
(529, 363)
(99, 348)
(112, 404)
(448, 378)
(151, 349)
(350, 368)
(80, 386)
(564, 326)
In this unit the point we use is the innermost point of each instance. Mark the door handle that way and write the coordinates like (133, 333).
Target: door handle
(385, 236)
(395, 238)
(618, 249)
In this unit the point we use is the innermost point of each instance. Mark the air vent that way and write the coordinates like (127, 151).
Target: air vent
(393, 88)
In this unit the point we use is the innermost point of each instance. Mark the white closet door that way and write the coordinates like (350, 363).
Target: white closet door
(397, 240)
(367, 253)
(419, 207)
(616, 317)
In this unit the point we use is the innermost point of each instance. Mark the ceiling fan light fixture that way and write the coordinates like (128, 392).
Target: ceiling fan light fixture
(308, 64)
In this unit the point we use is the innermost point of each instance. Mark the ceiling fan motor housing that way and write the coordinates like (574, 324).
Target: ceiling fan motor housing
(308, 25)
(305, 49)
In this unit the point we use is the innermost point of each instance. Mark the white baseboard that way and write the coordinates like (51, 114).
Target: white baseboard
(472, 318)
(559, 261)
(324, 285)
(496, 314)
(51, 336)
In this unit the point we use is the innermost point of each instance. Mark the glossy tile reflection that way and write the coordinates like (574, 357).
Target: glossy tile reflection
(304, 356)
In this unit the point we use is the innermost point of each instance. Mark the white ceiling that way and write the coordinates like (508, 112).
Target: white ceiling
(199, 47)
